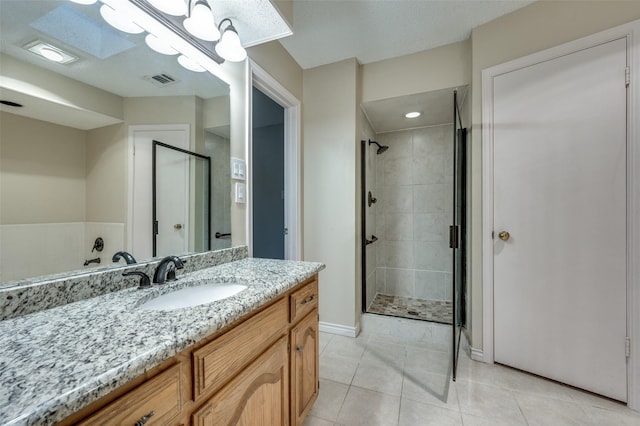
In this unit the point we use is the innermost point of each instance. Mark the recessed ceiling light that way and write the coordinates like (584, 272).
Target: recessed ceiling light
(50, 52)
(413, 114)
(84, 1)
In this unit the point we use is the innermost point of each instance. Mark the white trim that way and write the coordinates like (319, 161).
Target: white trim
(130, 166)
(292, 160)
(341, 330)
(630, 31)
(477, 354)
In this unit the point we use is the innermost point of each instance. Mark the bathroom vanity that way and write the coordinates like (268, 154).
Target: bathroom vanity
(249, 359)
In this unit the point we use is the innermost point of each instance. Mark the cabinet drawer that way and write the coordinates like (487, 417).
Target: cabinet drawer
(304, 300)
(218, 361)
(159, 399)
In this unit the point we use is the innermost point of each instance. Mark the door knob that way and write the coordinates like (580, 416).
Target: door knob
(504, 235)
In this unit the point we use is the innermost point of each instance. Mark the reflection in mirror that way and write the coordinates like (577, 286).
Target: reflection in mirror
(181, 200)
(66, 157)
(217, 142)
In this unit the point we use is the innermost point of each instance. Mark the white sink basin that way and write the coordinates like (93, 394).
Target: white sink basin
(193, 296)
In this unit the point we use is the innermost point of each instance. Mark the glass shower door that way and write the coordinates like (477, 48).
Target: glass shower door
(457, 233)
(181, 200)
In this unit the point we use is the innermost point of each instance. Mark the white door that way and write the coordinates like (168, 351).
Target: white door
(172, 201)
(560, 191)
(141, 182)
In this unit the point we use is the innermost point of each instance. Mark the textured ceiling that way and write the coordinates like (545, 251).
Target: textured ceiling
(387, 115)
(326, 31)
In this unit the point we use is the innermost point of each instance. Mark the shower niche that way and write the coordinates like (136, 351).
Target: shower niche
(413, 259)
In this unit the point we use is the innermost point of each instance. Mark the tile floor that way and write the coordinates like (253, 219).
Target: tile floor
(390, 379)
(408, 307)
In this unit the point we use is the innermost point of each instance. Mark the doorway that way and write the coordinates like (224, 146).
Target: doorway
(140, 238)
(268, 201)
(556, 215)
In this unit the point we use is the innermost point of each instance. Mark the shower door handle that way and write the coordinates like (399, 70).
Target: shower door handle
(453, 236)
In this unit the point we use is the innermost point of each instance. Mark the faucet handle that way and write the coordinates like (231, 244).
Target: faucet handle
(145, 282)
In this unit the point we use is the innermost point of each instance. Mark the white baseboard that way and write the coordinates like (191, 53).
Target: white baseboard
(477, 354)
(341, 330)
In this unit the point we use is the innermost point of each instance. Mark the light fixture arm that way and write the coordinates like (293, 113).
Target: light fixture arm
(230, 25)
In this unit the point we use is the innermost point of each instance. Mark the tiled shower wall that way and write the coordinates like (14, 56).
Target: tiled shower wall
(413, 184)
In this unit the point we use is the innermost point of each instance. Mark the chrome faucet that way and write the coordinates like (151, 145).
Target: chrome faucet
(165, 271)
(125, 255)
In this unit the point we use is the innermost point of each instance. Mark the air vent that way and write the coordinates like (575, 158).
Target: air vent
(161, 80)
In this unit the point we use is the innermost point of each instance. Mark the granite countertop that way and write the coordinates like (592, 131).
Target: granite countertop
(54, 362)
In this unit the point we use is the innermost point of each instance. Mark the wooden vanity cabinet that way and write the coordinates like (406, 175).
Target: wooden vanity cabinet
(261, 370)
(305, 367)
(259, 395)
(159, 400)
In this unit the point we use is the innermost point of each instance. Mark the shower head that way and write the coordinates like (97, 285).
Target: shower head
(381, 148)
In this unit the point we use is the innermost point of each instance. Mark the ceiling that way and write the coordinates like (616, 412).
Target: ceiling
(326, 31)
(436, 107)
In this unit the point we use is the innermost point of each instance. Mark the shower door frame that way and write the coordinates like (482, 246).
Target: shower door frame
(154, 192)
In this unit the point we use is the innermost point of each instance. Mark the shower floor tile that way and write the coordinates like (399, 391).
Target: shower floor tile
(408, 307)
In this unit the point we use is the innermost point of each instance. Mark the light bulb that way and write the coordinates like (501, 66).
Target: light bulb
(159, 45)
(171, 7)
(119, 21)
(190, 64)
(229, 47)
(200, 23)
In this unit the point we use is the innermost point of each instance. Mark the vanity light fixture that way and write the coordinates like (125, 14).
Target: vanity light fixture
(229, 46)
(159, 45)
(50, 52)
(170, 7)
(200, 22)
(190, 64)
(119, 20)
(413, 114)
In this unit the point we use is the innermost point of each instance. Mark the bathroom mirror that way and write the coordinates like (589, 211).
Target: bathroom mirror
(66, 168)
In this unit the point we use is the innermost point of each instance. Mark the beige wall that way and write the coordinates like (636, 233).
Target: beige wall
(536, 27)
(276, 61)
(106, 174)
(42, 171)
(41, 83)
(330, 161)
(435, 69)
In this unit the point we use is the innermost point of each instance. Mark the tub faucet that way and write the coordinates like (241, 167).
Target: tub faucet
(125, 255)
(165, 271)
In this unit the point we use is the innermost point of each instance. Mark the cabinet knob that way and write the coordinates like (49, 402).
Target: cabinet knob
(299, 348)
(144, 419)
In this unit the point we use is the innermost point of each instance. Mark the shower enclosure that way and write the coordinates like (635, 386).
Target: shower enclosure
(413, 212)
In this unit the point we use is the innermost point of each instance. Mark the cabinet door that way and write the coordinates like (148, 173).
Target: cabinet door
(258, 396)
(304, 367)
